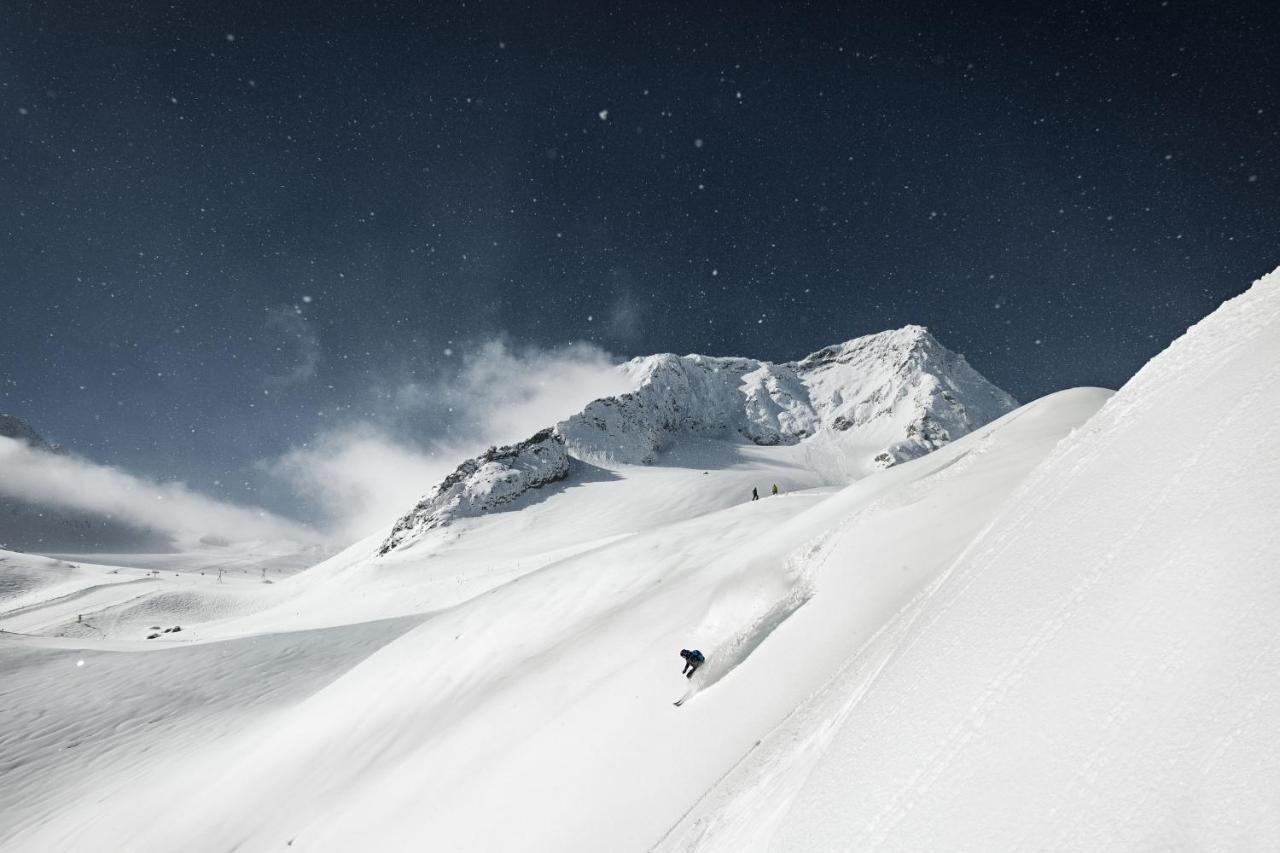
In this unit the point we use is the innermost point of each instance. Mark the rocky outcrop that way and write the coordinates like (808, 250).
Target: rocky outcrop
(496, 477)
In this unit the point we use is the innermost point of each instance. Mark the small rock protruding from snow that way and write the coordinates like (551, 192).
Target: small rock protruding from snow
(495, 477)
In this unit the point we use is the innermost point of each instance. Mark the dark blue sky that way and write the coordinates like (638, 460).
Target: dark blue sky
(1057, 193)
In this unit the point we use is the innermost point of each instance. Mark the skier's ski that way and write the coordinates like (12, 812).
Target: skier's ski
(684, 698)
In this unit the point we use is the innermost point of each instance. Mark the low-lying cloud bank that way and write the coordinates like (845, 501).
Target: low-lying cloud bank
(354, 478)
(359, 477)
(366, 474)
(76, 485)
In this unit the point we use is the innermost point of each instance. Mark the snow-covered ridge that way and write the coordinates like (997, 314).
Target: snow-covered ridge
(880, 400)
(903, 378)
(495, 477)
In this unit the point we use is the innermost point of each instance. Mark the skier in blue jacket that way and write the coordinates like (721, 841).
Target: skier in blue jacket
(692, 660)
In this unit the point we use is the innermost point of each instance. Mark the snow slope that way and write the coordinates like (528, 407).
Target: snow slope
(1101, 669)
(548, 696)
(1051, 632)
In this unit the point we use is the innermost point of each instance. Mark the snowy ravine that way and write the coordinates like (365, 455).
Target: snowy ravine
(878, 400)
(1053, 632)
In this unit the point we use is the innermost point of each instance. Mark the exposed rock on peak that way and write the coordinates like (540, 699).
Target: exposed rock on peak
(495, 477)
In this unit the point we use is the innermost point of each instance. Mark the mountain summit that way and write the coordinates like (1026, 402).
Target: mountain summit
(862, 405)
(901, 385)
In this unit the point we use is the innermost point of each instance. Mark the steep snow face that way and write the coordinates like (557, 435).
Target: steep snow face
(496, 477)
(1099, 669)
(902, 389)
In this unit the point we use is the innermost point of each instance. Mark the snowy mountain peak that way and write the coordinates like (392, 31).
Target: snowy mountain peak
(903, 379)
(861, 405)
(902, 341)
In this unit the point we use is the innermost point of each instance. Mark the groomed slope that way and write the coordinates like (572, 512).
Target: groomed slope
(1101, 670)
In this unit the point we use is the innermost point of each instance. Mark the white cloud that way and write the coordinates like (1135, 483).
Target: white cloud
(363, 476)
(503, 394)
(360, 477)
(75, 484)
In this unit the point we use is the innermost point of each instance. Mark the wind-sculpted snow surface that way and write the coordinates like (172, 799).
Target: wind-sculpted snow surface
(498, 476)
(904, 380)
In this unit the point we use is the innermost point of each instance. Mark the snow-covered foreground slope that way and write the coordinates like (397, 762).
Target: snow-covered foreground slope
(1101, 669)
(543, 691)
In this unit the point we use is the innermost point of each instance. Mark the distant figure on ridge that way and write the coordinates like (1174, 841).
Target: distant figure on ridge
(692, 660)
(755, 496)
(775, 488)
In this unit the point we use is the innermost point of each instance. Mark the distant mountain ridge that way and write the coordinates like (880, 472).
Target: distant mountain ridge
(880, 399)
(28, 525)
(12, 426)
